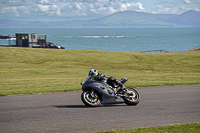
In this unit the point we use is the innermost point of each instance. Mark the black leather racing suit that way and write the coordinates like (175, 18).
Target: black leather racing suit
(111, 81)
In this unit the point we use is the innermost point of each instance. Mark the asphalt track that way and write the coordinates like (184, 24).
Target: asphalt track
(65, 112)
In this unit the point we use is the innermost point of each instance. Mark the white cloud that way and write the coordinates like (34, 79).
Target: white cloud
(44, 1)
(91, 8)
(125, 6)
(166, 9)
(78, 6)
(12, 10)
(43, 8)
(49, 10)
(104, 10)
(140, 6)
(187, 1)
(135, 6)
(175, 7)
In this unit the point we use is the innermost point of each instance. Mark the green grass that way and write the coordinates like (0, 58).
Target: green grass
(175, 128)
(29, 70)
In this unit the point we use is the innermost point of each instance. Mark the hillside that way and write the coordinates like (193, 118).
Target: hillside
(29, 70)
(120, 19)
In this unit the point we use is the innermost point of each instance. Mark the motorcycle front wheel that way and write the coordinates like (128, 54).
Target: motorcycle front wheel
(132, 98)
(90, 99)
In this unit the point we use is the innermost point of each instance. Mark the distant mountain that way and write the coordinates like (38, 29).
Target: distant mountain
(190, 18)
(123, 19)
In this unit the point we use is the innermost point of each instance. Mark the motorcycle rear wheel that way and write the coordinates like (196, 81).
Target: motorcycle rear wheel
(131, 99)
(89, 100)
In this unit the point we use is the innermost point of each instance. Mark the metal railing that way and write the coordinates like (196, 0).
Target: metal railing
(154, 51)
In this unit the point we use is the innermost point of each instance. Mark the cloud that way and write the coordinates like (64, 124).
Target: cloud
(78, 5)
(65, 9)
(167, 9)
(187, 1)
(51, 10)
(106, 8)
(174, 7)
(103, 10)
(43, 8)
(74, 7)
(134, 6)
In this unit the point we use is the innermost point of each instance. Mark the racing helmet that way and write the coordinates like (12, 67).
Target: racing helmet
(93, 73)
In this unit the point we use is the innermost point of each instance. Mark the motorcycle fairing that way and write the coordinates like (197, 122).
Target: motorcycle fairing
(106, 92)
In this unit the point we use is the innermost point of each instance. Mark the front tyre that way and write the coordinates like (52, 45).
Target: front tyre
(132, 97)
(90, 98)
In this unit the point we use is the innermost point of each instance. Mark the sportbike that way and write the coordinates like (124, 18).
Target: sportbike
(99, 89)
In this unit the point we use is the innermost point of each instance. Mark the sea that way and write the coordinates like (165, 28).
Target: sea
(116, 39)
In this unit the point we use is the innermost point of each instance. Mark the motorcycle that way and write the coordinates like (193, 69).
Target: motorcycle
(107, 90)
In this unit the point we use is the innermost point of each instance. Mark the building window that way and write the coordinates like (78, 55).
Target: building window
(32, 36)
(24, 37)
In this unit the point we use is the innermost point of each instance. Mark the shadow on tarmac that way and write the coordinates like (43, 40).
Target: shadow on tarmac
(84, 106)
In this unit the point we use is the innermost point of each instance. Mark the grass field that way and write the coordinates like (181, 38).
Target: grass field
(175, 128)
(30, 70)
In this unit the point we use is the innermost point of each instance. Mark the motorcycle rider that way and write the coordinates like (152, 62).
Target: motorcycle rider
(93, 74)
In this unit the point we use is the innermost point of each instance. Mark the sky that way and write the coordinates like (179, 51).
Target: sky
(67, 10)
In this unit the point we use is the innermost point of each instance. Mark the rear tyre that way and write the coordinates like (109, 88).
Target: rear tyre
(89, 99)
(133, 98)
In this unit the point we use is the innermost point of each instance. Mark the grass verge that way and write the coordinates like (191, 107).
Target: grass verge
(175, 128)
(28, 71)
